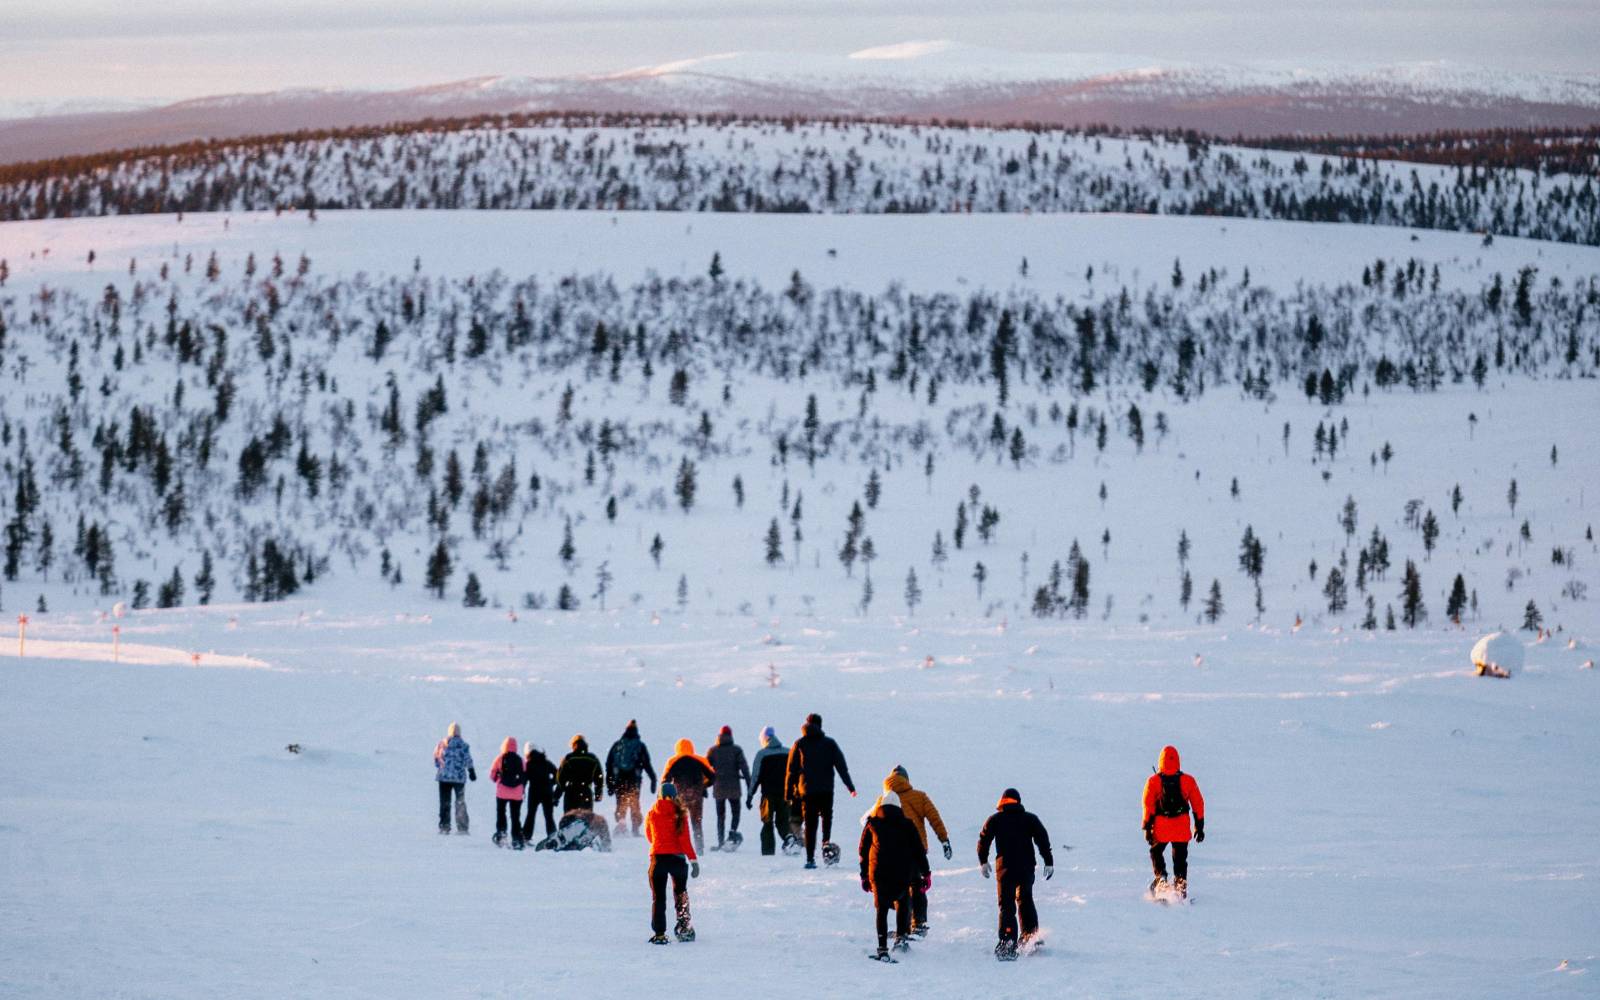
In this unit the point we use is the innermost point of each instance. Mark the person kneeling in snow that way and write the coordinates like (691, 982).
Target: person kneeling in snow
(578, 829)
(1014, 832)
(672, 857)
(1169, 795)
(452, 769)
(893, 860)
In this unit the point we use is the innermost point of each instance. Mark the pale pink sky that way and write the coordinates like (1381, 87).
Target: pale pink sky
(67, 49)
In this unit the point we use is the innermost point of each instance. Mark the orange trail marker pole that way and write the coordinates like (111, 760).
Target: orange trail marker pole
(116, 644)
(22, 633)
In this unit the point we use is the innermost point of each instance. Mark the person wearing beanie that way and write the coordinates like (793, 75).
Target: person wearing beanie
(1014, 833)
(692, 775)
(626, 764)
(507, 774)
(1169, 797)
(540, 775)
(672, 857)
(893, 859)
(732, 779)
(580, 777)
(768, 770)
(452, 769)
(921, 811)
(813, 760)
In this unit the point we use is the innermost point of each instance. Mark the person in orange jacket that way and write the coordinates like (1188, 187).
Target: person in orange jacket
(693, 776)
(1169, 797)
(672, 856)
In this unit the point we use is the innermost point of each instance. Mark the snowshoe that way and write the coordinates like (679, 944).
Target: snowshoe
(734, 840)
(444, 831)
(902, 944)
(830, 854)
(658, 939)
(1031, 945)
(1006, 951)
(882, 955)
(810, 865)
(684, 934)
(499, 839)
(791, 846)
(1181, 888)
(920, 931)
(517, 845)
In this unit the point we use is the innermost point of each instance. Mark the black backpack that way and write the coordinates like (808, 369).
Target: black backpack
(1172, 802)
(511, 772)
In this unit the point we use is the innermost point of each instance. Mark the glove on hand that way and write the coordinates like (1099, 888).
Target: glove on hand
(866, 886)
(472, 773)
(947, 852)
(927, 881)
(1150, 837)
(694, 869)
(1049, 870)
(987, 871)
(1200, 831)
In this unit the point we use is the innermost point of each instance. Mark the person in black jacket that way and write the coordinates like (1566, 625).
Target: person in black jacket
(893, 859)
(541, 778)
(1014, 832)
(809, 779)
(580, 778)
(771, 761)
(626, 765)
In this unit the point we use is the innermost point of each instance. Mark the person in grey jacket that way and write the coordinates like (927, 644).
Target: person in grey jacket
(733, 777)
(767, 773)
(452, 769)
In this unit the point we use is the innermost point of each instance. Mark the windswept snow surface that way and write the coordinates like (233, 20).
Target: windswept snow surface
(1380, 823)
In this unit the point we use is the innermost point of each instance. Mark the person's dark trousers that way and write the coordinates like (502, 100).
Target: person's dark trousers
(1180, 859)
(696, 805)
(446, 790)
(628, 806)
(534, 806)
(817, 809)
(514, 807)
(774, 824)
(1016, 894)
(663, 867)
(722, 805)
(901, 905)
(919, 906)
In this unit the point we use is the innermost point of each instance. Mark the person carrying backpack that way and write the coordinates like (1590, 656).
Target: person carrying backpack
(540, 776)
(768, 770)
(732, 778)
(813, 760)
(580, 777)
(1014, 832)
(691, 775)
(672, 857)
(507, 774)
(452, 769)
(628, 760)
(921, 811)
(1169, 797)
(893, 860)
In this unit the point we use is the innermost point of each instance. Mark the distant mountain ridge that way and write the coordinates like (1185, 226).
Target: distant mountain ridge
(922, 80)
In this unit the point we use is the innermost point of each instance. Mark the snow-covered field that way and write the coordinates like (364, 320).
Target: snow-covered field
(1380, 823)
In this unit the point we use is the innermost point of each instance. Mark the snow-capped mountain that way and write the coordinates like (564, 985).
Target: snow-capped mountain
(931, 79)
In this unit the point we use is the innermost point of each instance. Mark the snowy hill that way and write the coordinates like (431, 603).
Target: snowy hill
(371, 394)
(925, 80)
(801, 167)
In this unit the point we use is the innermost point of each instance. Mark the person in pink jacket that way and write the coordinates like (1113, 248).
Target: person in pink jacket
(509, 778)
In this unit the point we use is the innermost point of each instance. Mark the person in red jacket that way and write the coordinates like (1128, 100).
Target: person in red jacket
(1169, 797)
(672, 857)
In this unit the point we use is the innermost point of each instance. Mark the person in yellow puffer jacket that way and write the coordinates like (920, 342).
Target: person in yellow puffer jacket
(919, 809)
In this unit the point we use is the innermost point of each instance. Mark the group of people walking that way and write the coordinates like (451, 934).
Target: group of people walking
(796, 787)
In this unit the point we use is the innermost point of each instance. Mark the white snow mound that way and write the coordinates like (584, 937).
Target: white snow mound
(1498, 649)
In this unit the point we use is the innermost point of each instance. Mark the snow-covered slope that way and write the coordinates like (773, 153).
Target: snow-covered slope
(918, 79)
(807, 167)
